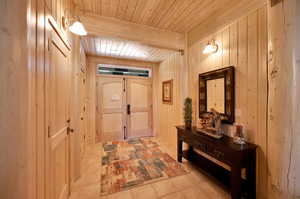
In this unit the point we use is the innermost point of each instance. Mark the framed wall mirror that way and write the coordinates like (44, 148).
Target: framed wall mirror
(216, 90)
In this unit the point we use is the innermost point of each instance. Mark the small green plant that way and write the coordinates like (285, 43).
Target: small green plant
(188, 112)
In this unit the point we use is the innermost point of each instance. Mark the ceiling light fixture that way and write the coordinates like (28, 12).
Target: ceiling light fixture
(211, 47)
(78, 28)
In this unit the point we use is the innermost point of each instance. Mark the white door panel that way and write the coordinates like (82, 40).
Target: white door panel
(139, 97)
(58, 73)
(111, 112)
(115, 96)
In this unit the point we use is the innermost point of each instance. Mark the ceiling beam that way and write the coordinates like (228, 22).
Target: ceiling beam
(109, 27)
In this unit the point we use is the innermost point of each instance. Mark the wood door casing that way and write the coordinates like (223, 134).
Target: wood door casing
(111, 105)
(139, 97)
(58, 73)
(83, 123)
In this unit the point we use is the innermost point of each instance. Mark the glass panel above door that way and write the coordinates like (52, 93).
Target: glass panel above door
(108, 69)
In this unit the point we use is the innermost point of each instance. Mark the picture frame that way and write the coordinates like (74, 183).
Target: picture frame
(167, 92)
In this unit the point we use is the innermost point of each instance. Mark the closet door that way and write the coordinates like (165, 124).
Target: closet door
(111, 108)
(58, 74)
(139, 108)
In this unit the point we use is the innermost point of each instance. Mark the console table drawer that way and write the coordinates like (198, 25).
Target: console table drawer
(218, 154)
(193, 142)
(199, 145)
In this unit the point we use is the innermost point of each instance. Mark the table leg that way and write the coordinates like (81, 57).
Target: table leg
(190, 152)
(236, 183)
(251, 176)
(179, 150)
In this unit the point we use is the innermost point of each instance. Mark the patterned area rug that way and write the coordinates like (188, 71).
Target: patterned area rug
(127, 164)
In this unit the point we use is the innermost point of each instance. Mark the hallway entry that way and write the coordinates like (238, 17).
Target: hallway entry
(124, 107)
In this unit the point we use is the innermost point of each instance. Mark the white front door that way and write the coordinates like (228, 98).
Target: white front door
(139, 102)
(111, 109)
(124, 108)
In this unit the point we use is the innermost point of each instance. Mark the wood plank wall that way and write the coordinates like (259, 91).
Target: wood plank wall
(78, 99)
(242, 44)
(284, 109)
(171, 115)
(22, 75)
(17, 99)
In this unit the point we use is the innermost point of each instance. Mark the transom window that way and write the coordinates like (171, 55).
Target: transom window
(108, 69)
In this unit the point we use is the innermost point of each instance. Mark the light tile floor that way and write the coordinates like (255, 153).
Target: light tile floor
(194, 185)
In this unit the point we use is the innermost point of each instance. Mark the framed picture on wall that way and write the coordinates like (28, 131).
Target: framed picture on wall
(167, 92)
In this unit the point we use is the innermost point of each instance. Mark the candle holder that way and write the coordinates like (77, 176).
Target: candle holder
(239, 135)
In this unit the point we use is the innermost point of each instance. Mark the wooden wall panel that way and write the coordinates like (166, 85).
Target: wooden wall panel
(91, 101)
(40, 88)
(296, 149)
(243, 45)
(261, 139)
(18, 99)
(78, 99)
(283, 111)
(22, 115)
(252, 92)
(229, 11)
(170, 115)
(242, 72)
(74, 111)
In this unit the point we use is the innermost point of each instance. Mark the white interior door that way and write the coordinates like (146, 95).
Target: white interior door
(57, 102)
(139, 108)
(111, 111)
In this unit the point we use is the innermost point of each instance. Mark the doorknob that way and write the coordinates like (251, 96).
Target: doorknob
(70, 130)
(128, 109)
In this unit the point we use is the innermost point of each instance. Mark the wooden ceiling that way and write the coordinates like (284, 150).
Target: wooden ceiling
(150, 30)
(119, 48)
(172, 15)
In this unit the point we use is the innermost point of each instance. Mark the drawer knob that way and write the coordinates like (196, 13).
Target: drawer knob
(218, 153)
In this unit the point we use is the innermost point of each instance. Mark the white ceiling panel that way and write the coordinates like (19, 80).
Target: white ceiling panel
(114, 47)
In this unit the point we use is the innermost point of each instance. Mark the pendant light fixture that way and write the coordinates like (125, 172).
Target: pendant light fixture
(211, 47)
(78, 28)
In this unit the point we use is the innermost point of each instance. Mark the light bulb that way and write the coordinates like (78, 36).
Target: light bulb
(211, 47)
(78, 28)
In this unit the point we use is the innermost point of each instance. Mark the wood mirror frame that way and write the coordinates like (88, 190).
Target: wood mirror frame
(228, 75)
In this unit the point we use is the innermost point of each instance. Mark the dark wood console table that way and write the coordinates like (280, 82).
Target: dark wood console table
(224, 150)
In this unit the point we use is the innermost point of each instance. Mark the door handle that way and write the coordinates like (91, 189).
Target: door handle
(70, 130)
(128, 109)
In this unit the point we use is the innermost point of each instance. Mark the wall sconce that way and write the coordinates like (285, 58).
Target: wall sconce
(211, 47)
(78, 28)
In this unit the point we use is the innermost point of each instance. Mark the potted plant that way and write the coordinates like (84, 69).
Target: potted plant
(188, 113)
